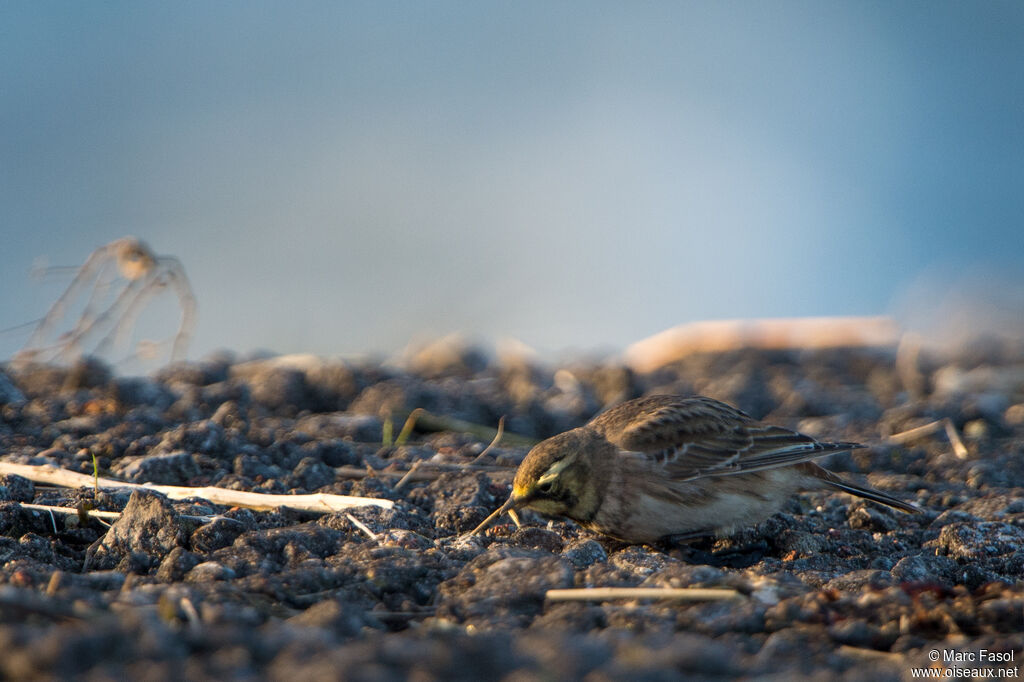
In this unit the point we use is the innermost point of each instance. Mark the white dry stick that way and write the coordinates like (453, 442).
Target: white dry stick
(98, 513)
(497, 438)
(54, 583)
(913, 434)
(363, 527)
(316, 502)
(954, 439)
(408, 475)
(663, 593)
(194, 623)
(928, 429)
(870, 654)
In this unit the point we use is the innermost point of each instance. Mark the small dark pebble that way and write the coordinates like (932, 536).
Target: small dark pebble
(537, 538)
(16, 488)
(176, 468)
(178, 562)
(585, 552)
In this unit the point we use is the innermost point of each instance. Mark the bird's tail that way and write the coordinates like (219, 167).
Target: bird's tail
(875, 496)
(861, 491)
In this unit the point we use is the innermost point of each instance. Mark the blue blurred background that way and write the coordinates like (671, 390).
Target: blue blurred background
(342, 177)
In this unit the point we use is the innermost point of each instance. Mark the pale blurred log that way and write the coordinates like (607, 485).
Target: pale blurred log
(778, 333)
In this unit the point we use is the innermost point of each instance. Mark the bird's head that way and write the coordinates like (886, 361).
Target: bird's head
(561, 476)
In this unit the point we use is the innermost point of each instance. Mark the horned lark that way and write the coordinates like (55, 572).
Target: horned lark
(673, 466)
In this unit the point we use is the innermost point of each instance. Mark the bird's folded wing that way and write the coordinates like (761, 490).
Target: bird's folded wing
(698, 437)
(744, 451)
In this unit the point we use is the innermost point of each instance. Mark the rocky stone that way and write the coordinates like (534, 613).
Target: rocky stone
(147, 530)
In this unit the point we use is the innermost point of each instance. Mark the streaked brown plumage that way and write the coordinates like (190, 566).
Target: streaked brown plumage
(674, 466)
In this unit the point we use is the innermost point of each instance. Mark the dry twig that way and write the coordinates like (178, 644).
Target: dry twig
(433, 422)
(408, 475)
(870, 654)
(115, 283)
(98, 513)
(363, 527)
(317, 502)
(191, 615)
(427, 471)
(54, 583)
(494, 442)
(954, 439)
(945, 423)
(663, 593)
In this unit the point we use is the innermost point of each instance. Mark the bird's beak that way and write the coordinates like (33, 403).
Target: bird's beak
(510, 506)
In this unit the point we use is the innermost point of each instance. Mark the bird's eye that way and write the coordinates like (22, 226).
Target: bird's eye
(547, 486)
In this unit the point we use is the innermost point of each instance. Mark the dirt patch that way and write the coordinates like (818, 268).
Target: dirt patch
(831, 586)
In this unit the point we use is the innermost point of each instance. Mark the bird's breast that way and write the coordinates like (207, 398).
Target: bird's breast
(644, 511)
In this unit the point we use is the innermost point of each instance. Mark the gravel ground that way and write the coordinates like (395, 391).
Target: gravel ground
(831, 587)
